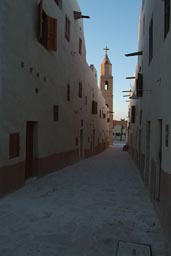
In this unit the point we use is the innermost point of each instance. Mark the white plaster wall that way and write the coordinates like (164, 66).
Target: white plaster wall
(20, 103)
(155, 102)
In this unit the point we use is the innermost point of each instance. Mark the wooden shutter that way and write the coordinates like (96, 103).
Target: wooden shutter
(44, 39)
(40, 19)
(52, 34)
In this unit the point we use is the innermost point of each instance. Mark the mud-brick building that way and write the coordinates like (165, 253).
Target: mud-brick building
(52, 112)
(150, 106)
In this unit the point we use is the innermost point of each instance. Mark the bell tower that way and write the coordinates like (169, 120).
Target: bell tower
(106, 86)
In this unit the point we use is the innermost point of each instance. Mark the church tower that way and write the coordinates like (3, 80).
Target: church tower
(106, 86)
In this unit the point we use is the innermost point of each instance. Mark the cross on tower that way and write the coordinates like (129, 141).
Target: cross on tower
(106, 49)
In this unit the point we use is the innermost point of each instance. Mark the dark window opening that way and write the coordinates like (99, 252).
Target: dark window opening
(80, 88)
(166, 17)
(80, 46)
(59, 3)
(139, 85)
(55, 113)
(68, 92)
(151, 41)
(94, 107)
(14, 145)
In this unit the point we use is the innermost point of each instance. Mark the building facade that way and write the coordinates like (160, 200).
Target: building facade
(150, 107)
(52, 111)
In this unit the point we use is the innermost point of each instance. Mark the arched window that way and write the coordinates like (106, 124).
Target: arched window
(106, 86)
(166, 17)
(107, 105)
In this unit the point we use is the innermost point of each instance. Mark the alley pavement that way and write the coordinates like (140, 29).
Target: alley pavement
(87, 209)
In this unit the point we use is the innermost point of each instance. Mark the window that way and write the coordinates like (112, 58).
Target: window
(55, 113)
(133, 114)
(80, 46)
(59, 3)
(14, 145)
(108, 120)
(106, 86)
(151, 41)
(80, 90)
(167, 136)
(94, 107)
(67, 29)
(139, 85)
(166, 17)
(68, 92)
(47, 30)
(104, 115)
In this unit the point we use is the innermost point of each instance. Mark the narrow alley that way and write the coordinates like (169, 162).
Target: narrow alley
(84, 209)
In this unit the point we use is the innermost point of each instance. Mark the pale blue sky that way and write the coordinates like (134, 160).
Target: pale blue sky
(113, 23)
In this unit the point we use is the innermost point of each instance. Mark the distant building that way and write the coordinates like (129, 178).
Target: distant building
(119, 130)
(51, 110)
(106, 86)
(150, 106)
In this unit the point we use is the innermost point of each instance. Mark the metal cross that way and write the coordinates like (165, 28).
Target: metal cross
(106, 49)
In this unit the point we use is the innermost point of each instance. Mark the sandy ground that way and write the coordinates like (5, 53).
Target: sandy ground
(84, 209)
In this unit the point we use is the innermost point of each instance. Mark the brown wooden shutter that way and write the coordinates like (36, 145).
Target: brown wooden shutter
(40, 19)
(52, 34)
(44, 39)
